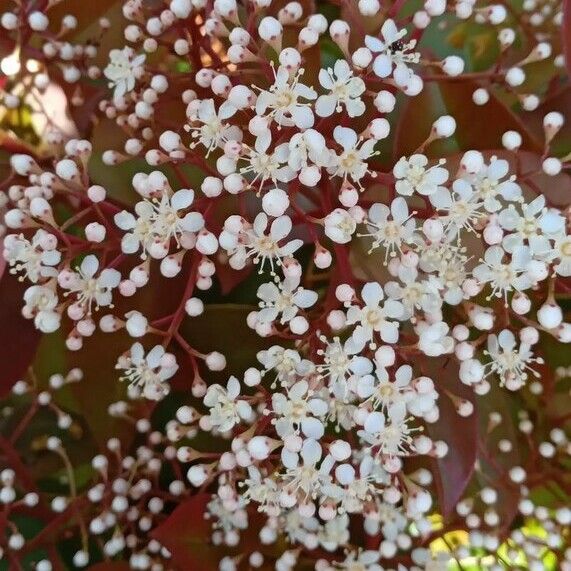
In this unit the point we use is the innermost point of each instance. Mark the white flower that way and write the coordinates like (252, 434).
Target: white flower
(340, 226)
(534, 226)
(282, 101)
(462, 208)
(285, 298)
(169, 223)
(345, 90)
(264, 247)
(226, 410)
(504, 276)
(264, 166)
(393, 51)
(139, 228)
(148, 373)
(297, 410)
(34, 259)
(433, 340)
(375, 318)
(308, 153)
(390, 396)
(510, 363)
(392, 439)
(123, 70)
(301, 482)
(414, 294)
(40, 305)
(159, 221)
(413, 176)
(391, 234)
(211, 131)
(488, 185)
(350, 164)
(89, 290)
(340, 362)
(447, 262)
(285, 362)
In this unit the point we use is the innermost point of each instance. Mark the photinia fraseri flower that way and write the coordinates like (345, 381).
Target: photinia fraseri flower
(89, 292)
(392, 52)
(374, 318)
(390, 234)
(281, 102)
(534, 226)
(345, 90)
(41, 304)
(351, 162)
(208, 127)
(261, 247)
(36, 258)
(123, 70)
(299, 410)
(512, 364)
(504, 275)
(226, 409)
(285, 298)
(315, 445)
(489, 186)
(340, 226)
(414, 176)
(148, 374)
(562, 249)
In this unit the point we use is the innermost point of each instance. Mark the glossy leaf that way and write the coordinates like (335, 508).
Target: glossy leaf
(186, 534)
(18, 337)
(455, 470)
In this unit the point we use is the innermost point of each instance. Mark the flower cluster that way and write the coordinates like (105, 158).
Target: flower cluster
(396, 279)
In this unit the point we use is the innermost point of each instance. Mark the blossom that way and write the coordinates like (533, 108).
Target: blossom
(87, 289)
(512, 364)
(264, 247)
(562, 250)
(123, 69)
(297, 410)
(267, 166)
(391, 396)
(345, 89)
(35, 259)
(373, 317)
(149, 372)
(391, 234)
(504, 276)
(534, 226)
(433, 339)
(208, 126)
(392, 52)
(226, 409)
(413, 176)
(286, 298)
(350, 163)
(340, 226)
(40, 305)
(390, 439)
(158, 222)
(283, 101)
(488, 184)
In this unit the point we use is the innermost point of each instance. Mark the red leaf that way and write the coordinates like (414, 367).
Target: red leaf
(566, 33)
(18, 337)
(186, 534)
(455, 470)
